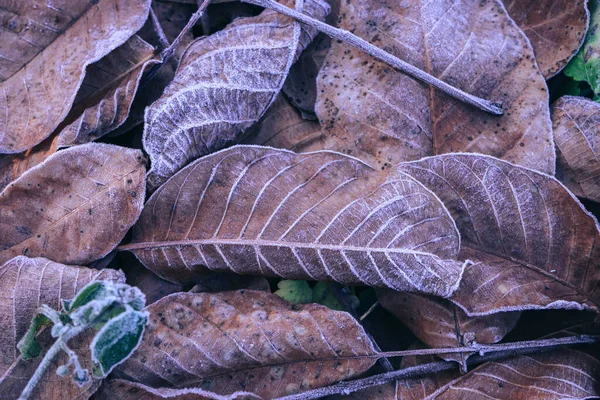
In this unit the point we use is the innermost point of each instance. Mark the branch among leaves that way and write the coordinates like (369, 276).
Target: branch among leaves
(113, 309)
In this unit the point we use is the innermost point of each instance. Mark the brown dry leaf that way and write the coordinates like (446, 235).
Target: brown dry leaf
(371, 111)
(26, 284)
(576, 123)
(561, 374)
(301, 84)
(13, 166)
(222, 86)
(533, 243)
(556, 29)
(319, 216)
(43, 57)
(151, 285)
(247, 341)
(107, 92)
(126, 390)
(283, 127)
(75, 207)
(440, 323)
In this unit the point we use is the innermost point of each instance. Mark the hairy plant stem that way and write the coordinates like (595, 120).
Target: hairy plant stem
(60, 344)
(353, 40)
(505, 350)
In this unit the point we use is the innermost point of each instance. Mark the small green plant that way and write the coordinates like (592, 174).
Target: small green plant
(113, 309)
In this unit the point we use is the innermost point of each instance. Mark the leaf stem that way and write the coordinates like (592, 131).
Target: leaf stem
(382, 55)
(505, 351)
(59, 345)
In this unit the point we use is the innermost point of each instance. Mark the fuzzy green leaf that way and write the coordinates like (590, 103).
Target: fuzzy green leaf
(585, 66)
(28, 345)
(296, 292)
(93, 291)
(117, 339)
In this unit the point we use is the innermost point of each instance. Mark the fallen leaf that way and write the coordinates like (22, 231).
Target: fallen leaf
(383, 116)
(75, 207)
(317, 216)
(556, 29)
(576, 123)
(440, 323)
(585, 66)
(194, 116)
(13, 166)
(245, 340)
(283, 127)
(47, 49)
(26, 284)
(554, 375)
(533, 244)
(125, 390)
(107, 91)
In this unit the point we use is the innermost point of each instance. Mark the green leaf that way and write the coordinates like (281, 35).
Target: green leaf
(93, 291)
(296, 292)
(28, 345)
(117, 339)
(322, 294)
(585, 66)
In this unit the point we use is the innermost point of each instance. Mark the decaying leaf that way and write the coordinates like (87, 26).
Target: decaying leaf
(126, 390)
(45, 50)
(75, 207)
(13, 166)
(225, 82)
(373, 112)
(247, 341)
(576, 123)
(562, 374)
(283, 127)
(108, 91)
(317, 216)
(151, 285)
(533, 243)
(440, 323)
(556, 29)
(26, 284)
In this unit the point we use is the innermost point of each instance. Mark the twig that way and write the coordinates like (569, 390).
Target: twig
(160, 33)
(59, 345)
(369, 311)
(382, 55)
(430, 368)
(169, 52)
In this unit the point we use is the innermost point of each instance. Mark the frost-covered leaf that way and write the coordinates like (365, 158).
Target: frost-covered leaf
(75, 207)
(117, 339)
(225, 82)
(556, 29)
(533, 244)
(576, 122)
(315, 216)
(371, 111)
(107, 92)
(295, 292)
(585, 66)
(45, 50)
(440, 323)
(26, 284)
(126, 390)
(283, 127)
(251, 341)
